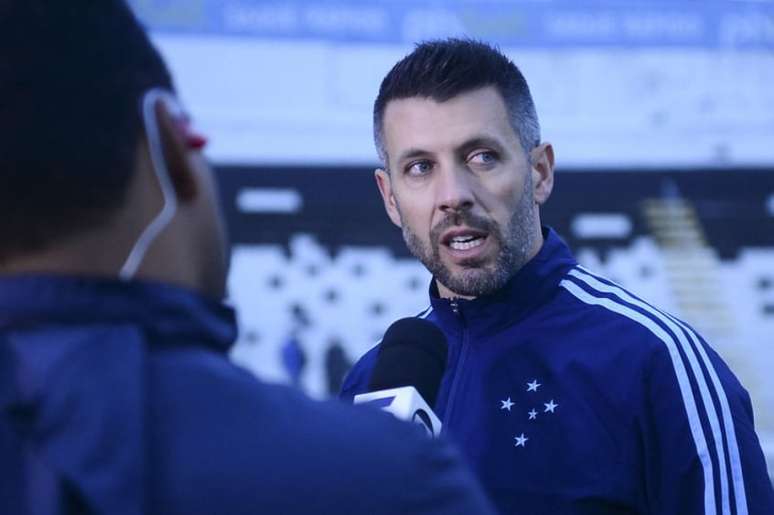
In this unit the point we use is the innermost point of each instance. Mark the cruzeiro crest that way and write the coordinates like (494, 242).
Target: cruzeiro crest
(531, 406)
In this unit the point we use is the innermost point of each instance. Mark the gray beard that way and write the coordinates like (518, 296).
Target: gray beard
(515, 241)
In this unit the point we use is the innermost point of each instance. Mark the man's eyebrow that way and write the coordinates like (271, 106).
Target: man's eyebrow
(480, 141)
(412, 153)
(467, 145)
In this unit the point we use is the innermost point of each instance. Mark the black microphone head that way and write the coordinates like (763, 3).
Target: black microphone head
(412, 353)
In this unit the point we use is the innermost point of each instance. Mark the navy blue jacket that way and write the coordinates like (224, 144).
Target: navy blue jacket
(118, 398)
(569, 395)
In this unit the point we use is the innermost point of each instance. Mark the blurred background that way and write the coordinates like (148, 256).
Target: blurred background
(662, 118)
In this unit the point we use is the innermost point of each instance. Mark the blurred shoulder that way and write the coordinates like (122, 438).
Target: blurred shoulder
(217, 433)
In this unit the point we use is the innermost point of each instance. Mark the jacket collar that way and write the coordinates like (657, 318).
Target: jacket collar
(529, 288)
(170, 312)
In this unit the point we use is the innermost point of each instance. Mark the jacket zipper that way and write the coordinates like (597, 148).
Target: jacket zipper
(458, 369)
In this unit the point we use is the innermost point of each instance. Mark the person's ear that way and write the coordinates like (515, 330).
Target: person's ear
(542, 159)
(176, 149)
(383, 181)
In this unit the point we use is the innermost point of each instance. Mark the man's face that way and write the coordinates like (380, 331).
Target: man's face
(462, 189)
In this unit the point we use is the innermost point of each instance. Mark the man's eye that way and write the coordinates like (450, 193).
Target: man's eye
(483, 158)
(419, 168)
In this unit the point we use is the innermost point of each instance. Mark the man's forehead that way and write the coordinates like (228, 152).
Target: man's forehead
(418, 121)
(487, 97)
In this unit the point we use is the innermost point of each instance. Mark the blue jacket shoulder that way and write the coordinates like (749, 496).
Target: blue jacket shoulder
(358, 377)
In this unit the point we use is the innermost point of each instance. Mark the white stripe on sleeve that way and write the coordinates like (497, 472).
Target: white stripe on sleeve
(683, 382)
(728, 423)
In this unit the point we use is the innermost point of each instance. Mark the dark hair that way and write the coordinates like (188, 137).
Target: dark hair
(71, 76)
(443, 69)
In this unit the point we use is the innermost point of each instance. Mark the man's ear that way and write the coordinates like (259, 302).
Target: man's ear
(181, 170)
(383, 181)
(542, 158)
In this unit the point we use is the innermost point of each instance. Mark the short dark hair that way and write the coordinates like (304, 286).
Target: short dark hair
(443, 69)
(71, 76)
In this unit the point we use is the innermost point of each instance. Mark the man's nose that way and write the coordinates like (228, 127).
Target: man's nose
(454, 190)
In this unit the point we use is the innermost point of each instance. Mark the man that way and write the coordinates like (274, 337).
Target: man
(568, 394)
(116, 395)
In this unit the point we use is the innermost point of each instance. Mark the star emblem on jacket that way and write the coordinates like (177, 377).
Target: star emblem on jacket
(537, 405)
(521, 440)
(550, 406)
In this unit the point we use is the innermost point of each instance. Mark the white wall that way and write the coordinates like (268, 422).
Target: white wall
(265, 101)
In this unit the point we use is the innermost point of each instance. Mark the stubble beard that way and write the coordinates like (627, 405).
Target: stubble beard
(514, 241)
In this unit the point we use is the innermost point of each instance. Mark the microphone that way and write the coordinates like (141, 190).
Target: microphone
(408, 372)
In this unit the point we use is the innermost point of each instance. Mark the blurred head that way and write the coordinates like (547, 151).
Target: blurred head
(75, 167)
(465, 172)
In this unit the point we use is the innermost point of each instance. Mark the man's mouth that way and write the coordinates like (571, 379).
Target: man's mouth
(465, 242)
(464, 239)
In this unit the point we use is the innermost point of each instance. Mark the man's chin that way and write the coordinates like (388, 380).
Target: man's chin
(468, 268)
(468, 281)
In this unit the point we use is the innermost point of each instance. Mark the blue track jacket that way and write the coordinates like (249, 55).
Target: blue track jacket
(569, 395)
(117, 398)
